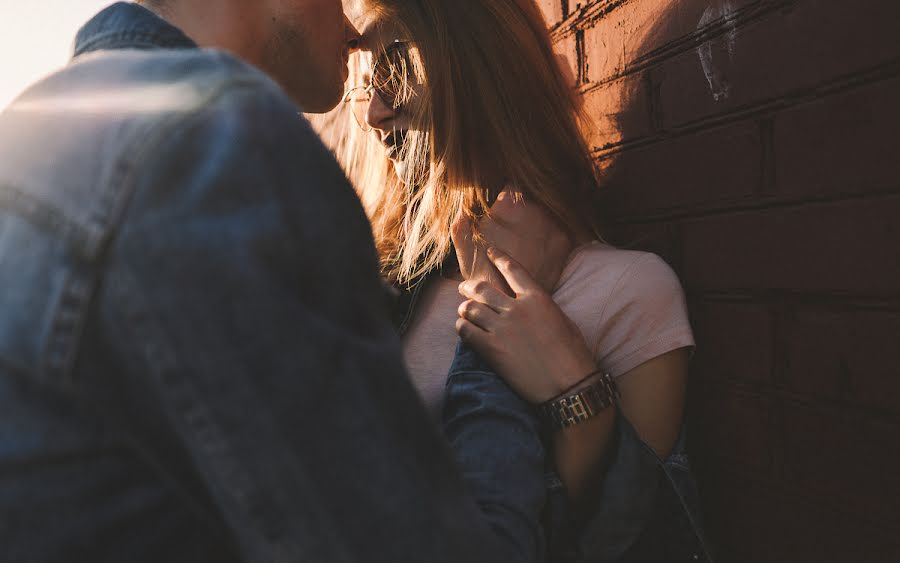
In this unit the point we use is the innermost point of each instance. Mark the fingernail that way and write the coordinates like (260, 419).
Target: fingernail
(491, 251)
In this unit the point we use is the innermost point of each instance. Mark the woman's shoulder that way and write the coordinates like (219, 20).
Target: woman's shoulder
(622, 272)
(637, 306)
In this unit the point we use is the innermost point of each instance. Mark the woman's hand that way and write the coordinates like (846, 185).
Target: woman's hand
(526, 338)
(524, 230)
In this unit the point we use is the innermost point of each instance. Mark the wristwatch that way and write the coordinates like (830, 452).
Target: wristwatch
(577, 407)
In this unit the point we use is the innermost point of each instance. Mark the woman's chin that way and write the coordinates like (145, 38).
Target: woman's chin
(400, 169)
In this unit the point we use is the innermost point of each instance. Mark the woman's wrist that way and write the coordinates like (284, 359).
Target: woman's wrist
(574, 378)
(596, 393)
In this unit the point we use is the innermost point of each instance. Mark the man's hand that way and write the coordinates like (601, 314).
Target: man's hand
(525, 231)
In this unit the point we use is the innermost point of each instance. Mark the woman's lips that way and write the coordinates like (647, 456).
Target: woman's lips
(392, 144)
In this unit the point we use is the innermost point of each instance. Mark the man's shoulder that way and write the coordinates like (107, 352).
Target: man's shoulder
(129, 103)
(113, 119)
(162, 81)
(147, 100)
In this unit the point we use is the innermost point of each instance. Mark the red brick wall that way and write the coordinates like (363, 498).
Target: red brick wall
(753, 144)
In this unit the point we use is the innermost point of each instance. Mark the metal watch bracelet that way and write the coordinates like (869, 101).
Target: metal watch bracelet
(579, 406)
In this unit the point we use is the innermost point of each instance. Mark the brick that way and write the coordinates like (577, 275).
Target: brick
(730, 425)
(737, 514)
(784, 53)
(718, 167)
(619, 111)
(752, 522)
(653, 25)
(663, 239)
(843, 144)
(567, 57)
(552, 10)
(605, 47)
(838, 248)
(850, 461)
(849, 356)
(734, 341)
(620, 38)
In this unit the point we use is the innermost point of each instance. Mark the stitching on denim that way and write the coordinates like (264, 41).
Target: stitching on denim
(195, 416)
(62, 344)
(80, 239)
(165, 39)
(127, 168)
(61, 348)
(473, 372)
(181, 403)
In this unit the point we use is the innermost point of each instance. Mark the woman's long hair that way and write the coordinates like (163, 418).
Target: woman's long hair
(496, 100)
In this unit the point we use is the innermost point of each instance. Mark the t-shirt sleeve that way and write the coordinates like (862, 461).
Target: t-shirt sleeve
(644, 317)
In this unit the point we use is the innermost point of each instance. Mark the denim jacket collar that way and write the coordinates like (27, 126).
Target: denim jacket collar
(128, 26)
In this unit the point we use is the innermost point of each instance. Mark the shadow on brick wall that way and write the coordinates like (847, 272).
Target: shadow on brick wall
(750, 143)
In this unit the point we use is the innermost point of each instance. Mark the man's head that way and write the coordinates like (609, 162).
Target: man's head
(302, 44)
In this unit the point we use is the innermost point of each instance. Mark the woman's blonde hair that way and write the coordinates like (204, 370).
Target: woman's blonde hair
(496, 100)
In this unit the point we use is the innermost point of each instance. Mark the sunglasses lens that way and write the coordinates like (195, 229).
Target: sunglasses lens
(391, 76)
(389, 80)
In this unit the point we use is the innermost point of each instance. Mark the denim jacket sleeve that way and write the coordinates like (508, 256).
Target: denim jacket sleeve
(646, 509)
(496, 440)
(240, 338)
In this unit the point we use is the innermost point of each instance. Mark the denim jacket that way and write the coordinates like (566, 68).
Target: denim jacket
(196, 359)
(647, 510)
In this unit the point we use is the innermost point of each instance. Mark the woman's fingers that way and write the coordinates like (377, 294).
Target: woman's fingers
(471, 333)
(484, 292)
(475, 337)
(513, 272)
(478, 314)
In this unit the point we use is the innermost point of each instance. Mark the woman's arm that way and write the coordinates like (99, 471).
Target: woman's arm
(652, 398)
(542, 354)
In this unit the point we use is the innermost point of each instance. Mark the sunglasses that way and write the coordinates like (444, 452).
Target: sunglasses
(389, 81)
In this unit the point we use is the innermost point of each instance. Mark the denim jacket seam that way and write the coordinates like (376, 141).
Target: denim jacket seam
(695, 526)
(152, 39)
(67, 326)
(194, 415)
(142, 146)
(667, 471)
(470, 372)
(80, 239)
(183, 404)
(61, 348)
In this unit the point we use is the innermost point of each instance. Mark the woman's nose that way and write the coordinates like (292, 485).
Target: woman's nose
(379, 115)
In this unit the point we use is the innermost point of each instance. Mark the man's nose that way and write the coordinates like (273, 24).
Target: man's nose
(379, 115)
(351, 35)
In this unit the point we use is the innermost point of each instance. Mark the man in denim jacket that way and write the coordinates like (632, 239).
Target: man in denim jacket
(196, 361)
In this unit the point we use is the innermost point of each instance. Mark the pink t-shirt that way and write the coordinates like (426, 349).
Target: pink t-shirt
(629, 306)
